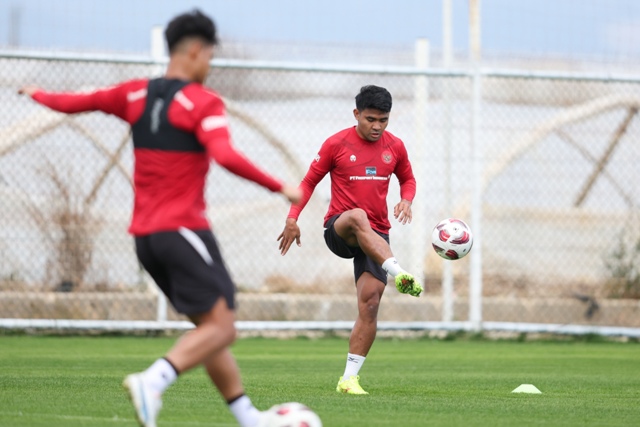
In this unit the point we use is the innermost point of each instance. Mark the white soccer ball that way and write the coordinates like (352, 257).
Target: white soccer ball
(291, 414)
(452, 238)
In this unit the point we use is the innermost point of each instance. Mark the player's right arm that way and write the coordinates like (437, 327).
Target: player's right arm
(110, 100)
(320, 166)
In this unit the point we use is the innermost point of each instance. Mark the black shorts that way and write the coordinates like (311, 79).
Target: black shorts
(361, 262)
(188, 268)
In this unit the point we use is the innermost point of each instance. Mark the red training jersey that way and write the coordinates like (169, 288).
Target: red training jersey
(360, 171)
(169, 181)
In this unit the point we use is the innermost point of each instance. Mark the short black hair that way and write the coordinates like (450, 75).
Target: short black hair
(190, 24)
(375, 97)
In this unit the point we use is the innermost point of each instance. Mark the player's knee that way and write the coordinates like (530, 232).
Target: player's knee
(358, 218)
(369, 306)
(369, 312)
(230, 333)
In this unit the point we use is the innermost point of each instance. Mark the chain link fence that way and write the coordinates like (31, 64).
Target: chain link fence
(560, 234)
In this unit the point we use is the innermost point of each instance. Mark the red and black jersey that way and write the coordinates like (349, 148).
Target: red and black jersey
(178, 127)
(360, 171)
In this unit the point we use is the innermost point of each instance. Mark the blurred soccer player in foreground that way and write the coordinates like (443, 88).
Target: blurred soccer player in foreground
(360, 161)
(178, 126)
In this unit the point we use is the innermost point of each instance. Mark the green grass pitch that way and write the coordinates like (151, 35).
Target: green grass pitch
(75, 381)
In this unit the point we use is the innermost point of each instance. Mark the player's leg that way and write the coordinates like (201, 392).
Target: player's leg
(354, 228)
(145, 393)
(371, 280)
(208, 344)
(200, 287)
(214, 332)
(369, 290)
(225, 374)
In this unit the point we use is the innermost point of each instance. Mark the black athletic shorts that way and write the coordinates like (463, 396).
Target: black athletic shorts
(361, 262)
(188, 268)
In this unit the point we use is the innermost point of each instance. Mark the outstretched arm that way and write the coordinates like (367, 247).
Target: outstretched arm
(320, 166)
(213, 133)
(111, 100)
(293, 194)
(226, 156)
(28, 90)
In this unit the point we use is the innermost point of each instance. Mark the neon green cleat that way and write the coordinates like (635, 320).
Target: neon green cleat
(350, 386)
(407, 284)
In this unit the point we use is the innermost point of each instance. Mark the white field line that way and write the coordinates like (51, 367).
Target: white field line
(115, 419)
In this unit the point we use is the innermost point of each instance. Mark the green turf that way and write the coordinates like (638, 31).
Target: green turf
(75, 381)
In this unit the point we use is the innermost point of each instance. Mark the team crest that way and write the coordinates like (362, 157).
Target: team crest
(352, 158)
(387, 156)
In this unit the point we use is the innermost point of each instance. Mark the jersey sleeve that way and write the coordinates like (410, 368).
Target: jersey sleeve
(404, 172)
(110, 100)
(320, 166)
(213, 132)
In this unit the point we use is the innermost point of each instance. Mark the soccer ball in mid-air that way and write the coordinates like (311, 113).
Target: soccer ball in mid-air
(452, 238)
(291, 414)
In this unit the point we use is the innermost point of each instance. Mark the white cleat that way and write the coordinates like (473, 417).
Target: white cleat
(146, 403)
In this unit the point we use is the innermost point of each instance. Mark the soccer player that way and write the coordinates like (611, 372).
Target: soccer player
(178, 126)
(360, 161)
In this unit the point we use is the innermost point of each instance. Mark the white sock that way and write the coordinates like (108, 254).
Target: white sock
(244, 411)
(160, 375)
(354, 363)
(392, 267)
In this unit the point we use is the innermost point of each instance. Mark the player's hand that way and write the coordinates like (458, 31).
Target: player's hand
(290, 233)
(28, 90)
(293, 194)
(402, 212)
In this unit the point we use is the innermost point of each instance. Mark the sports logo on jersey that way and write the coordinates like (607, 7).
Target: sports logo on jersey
(155, 115)
(317, 158)
(370, 170)
(352, 158)
(387, 156)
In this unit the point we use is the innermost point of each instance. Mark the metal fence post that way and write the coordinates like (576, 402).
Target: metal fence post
(419, 239)
(475, 279)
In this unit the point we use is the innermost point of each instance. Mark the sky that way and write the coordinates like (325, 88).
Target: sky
(599, 29)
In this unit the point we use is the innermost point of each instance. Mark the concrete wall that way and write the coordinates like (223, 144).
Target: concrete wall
(400, 308)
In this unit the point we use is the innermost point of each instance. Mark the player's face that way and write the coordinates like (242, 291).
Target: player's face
(371, 123)
(203, 60)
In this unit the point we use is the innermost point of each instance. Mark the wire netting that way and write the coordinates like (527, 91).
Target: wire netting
(560, 237)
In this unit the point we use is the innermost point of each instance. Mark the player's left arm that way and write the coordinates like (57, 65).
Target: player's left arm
(213, 132)
(402, 211)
